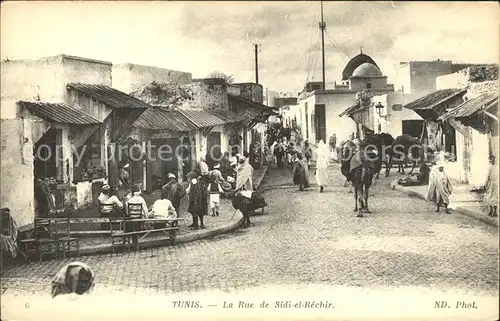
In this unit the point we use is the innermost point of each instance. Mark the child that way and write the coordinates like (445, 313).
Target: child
(214, 188)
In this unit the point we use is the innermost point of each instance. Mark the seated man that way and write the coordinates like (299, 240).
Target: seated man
(106, 198)
(163, 208)
(138, 199)
(75, 277)
(416, 179)
(8, 237)
(423, 175)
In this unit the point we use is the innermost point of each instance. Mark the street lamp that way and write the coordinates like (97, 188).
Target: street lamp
(379, 108)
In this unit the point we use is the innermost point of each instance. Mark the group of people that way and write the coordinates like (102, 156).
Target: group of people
(163, 207)
(204, 189)
(207, 185)
(299, 159)
(440, 187)
(285, 152)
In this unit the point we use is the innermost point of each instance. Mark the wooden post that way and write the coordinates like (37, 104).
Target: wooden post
(149, 170)
(112, 167)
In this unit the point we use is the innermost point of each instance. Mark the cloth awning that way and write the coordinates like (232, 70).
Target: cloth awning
(209, 117)
(349, 110)
(184, 120)
(472, 106)
(109, 96)
(251, 112)
(59, 113)
(434, 99)
(161, 119)
(249, 103)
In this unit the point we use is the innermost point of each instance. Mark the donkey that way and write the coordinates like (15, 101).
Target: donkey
(362, 177)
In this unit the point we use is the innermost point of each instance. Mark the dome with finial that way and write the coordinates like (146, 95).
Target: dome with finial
(355, 63)
(367, 70)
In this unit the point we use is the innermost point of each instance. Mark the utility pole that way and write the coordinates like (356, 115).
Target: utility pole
(256, 63)
(322, 27)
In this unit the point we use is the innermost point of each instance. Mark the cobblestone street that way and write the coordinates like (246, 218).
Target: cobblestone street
(307, 238)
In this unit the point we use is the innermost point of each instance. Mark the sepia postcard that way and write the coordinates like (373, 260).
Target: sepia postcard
(249, 160)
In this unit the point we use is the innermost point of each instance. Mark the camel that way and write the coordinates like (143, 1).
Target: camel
(401, 148)
(381, 142)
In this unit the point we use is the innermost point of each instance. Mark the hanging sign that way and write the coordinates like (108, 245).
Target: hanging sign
(397, 107)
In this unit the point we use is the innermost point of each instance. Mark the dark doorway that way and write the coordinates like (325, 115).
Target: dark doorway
(320, 122)
(449, 139)
(307, 121)
(214, 153)
(45, 163)
(413, 128)
(167, 149)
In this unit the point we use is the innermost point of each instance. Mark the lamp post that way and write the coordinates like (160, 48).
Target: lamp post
(379, 108)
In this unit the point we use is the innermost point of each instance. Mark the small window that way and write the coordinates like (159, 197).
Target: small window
(368, 86)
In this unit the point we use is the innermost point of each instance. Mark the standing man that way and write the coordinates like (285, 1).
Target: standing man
(491, 186)
(197, 200)
(44, 198)
(307, 152)
(244, 176)
(333, 142)
(440, 188)
(204, 171)
(279, 151)
(173, 191)
(322, 166)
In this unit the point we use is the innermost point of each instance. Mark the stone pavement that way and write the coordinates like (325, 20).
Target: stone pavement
(462, 200)
(306, 238)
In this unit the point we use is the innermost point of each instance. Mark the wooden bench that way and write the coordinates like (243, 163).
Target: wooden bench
(126, 234)
(49, 238)
(51, 235)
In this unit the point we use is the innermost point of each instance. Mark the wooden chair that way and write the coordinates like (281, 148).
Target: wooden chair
(134, 211)
(106, 210)
(64, 237)
(117, 230)
(45, 236)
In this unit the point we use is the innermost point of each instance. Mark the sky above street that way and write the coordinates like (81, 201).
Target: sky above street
(203, 37)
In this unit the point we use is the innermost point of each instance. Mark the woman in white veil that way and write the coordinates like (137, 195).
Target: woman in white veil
(323, 153)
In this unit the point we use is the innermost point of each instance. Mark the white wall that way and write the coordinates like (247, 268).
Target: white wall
(456, 80)
(479, 158)
(17, 177)
(25, 79)
(394, 125)
(334, 105)
(130, 77)
(403, 79)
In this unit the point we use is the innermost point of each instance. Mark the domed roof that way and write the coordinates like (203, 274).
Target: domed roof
(367, 70)
(355, 63)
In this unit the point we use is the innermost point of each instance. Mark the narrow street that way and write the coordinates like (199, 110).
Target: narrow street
(306, 238)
